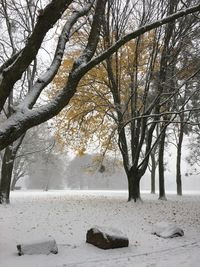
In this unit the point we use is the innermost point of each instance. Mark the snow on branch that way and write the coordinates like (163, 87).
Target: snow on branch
(139, 32)
(93, 36)
(22, 120)
(48, 76)
(13, 72)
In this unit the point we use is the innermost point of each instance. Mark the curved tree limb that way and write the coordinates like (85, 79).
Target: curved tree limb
(24, 119)
(13, 72)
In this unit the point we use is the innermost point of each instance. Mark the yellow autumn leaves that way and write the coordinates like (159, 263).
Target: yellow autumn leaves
(91, 113)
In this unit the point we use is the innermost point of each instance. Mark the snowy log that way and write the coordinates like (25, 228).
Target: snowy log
(167, 230)
(106, 238)
(43, 246)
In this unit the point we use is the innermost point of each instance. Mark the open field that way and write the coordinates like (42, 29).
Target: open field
(67, 215)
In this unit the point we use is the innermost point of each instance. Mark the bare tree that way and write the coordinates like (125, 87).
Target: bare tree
(13, 15)
(12, 70)
(30, 112)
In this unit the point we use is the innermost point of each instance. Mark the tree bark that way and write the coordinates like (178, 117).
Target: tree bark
(178, 162)
(14, 180)
(7, 170)
(6, 176)
(153, 174)
(13, 183)
(161, 167)
(133, 186)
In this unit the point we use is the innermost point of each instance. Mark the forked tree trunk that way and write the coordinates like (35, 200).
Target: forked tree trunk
(14, 181)
(161, 167)
(133, 186)
(6, 175)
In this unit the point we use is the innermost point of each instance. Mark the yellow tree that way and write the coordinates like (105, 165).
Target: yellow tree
(95, 115)
(31, 111)
(114, 101)
(89, 115)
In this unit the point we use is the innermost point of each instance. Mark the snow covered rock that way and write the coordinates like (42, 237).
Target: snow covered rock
(106, 238)
(43, 246)
(167, 230)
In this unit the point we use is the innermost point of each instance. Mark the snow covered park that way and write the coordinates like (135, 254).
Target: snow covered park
(98, 98)
(67, 215)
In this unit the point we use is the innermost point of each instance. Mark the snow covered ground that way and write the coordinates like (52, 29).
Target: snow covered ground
(67, 215)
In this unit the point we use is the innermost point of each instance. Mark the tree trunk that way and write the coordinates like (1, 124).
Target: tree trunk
(13, 183)
(161, 167)
(153, 174)
(178, 162)
(7, 170)
(133, 186)
(6, 175)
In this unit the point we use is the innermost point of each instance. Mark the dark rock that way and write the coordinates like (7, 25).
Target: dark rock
(106, 238)
(167, 230)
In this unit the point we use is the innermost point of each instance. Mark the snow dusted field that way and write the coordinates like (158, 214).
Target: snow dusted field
(67, 215)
